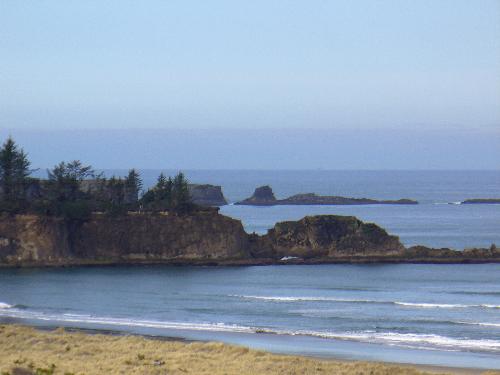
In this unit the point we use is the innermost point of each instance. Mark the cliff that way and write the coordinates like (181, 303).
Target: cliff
(327, 236)
(264, 196)
(207, 237)
(134, 238)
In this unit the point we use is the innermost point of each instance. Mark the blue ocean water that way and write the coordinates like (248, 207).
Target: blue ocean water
(433, 314)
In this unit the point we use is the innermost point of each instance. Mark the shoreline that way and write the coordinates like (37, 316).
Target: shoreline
(249, 262)
(94, 350)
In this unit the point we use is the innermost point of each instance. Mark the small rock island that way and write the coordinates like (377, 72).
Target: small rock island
(264, 196)
(481, 201)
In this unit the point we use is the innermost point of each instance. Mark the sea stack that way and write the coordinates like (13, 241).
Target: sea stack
(262, 196)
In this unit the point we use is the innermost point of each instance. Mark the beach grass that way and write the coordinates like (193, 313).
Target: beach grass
(26, 350)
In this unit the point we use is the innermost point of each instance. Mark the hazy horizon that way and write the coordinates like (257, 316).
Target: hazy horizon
(262, 148)
(253, 85)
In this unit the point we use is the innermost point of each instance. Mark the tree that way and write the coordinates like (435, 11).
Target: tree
(65, 179)
(133, 185)
(64, 195)
(14, 172)
(180, 192)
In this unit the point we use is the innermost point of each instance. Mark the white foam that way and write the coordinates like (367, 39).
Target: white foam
(333, 299)
(4, 305)
(479, 324)
(409, 339)
(416, 341)
(490, 306)
(306, 298)
(433, 305)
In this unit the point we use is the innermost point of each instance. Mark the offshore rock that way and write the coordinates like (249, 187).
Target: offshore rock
(264, 196)
(481, 201)
(328, 236)
(207, 195)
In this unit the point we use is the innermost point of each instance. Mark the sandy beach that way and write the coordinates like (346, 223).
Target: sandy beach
(26, 350)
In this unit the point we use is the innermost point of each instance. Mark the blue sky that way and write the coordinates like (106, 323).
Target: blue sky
(393, 66)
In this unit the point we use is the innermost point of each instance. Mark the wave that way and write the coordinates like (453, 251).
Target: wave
(479, 324)
(333, 314)
(422, 340)
(299, 299)
(348, 300)
(434, 305)
(4, 305)
(479, 293)
(410, 340)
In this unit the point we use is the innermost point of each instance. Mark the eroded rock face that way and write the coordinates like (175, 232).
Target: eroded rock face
(201, 236)
(330, 236)
(207, 237)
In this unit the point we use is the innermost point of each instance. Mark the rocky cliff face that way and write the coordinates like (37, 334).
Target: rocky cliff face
(201, 236)
(206, 237)
(328, 236)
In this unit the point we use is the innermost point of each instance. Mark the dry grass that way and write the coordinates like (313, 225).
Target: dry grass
(25, 350)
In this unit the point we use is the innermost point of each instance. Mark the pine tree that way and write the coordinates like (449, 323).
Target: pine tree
(14, 171)
(65, 179)
(180, 192)
(133, 185)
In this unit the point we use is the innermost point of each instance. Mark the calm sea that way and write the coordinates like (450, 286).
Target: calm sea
(433, 314)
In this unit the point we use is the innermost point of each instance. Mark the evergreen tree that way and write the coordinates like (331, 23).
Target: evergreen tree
(180, 192)
(14, 172)
(65, 179)
(133, 180)
(133, 185)
(64, 196)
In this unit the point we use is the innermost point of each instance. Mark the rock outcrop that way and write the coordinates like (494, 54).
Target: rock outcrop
(134, 238)
(264, 196)
(327, 236)
(481, 201)
(207, 195)
(207, 237)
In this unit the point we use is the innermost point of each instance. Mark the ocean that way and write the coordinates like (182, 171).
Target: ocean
(410, 313)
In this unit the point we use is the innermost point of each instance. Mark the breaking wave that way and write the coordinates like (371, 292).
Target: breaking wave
(333, 299)
(417, 341)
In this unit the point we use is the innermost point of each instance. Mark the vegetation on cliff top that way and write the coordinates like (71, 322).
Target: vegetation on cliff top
(73, 190)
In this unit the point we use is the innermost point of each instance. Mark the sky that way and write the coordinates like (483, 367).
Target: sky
(253, 84)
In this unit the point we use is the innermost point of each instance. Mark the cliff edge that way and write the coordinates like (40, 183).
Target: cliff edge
(207, 237)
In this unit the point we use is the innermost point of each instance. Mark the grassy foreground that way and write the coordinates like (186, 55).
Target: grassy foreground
(25, 350)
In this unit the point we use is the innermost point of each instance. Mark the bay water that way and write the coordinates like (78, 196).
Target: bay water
(410, 313)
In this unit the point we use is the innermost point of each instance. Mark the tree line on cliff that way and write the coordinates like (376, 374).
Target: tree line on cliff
(73, 190)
